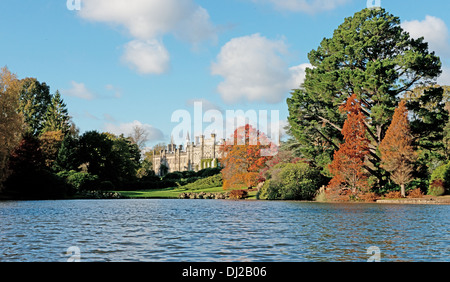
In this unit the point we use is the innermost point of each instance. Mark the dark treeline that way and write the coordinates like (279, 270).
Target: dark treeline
(43, 155)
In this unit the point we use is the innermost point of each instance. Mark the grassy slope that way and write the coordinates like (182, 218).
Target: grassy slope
(166, 192)
(172, 193)
(212, 184)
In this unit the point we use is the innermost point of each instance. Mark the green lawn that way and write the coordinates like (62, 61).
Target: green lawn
(172, 193)
(211, 184)
(166, 192)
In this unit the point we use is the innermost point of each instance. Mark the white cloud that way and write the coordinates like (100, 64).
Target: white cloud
(298, 74)
(79, 90)
(444, 79)
(282, 125)
(89, 115)
(254, 69)
(435, 32)
(147, 56)
(307, 6)
(109, 117)
(117, 91)
(154, 134)
(269, 125)
(205, 104)
(196, 27)
(148, 21)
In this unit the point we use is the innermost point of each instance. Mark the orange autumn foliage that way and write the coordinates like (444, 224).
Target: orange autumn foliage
(50, 144)
(242, 158)
(397, 153)
(369, 197)
(416, 193)
(393, 195)
(348, 162)
(238, 194)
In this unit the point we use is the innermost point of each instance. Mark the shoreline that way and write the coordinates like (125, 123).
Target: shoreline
(417, 201)
(426, 200)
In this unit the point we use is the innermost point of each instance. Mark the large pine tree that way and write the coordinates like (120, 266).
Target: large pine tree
(371, 56)
(34, 100)
(56, 117)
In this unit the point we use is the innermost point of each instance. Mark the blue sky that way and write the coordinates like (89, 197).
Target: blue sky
(122, 63)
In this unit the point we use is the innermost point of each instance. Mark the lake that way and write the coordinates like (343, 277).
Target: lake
(160, 230)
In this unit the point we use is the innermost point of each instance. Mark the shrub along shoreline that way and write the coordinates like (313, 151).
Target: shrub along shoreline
(220, 194)
(284, 182)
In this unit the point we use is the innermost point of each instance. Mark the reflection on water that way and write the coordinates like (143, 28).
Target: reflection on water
(215, 230)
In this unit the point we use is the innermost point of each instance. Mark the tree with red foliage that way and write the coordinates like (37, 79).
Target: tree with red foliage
(242, 159)
(348, 163)
(283, 156)
(397, 153)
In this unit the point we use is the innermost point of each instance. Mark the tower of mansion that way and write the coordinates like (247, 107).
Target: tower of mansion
(202, 153)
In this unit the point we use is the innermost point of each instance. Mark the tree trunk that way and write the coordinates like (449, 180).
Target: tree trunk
(402, 189)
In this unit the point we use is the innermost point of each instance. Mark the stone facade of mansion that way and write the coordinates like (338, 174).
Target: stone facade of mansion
(194, 156)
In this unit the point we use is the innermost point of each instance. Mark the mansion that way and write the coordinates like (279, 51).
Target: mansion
(194, 156)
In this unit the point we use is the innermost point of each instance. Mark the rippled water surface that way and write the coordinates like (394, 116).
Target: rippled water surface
(215, 230)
